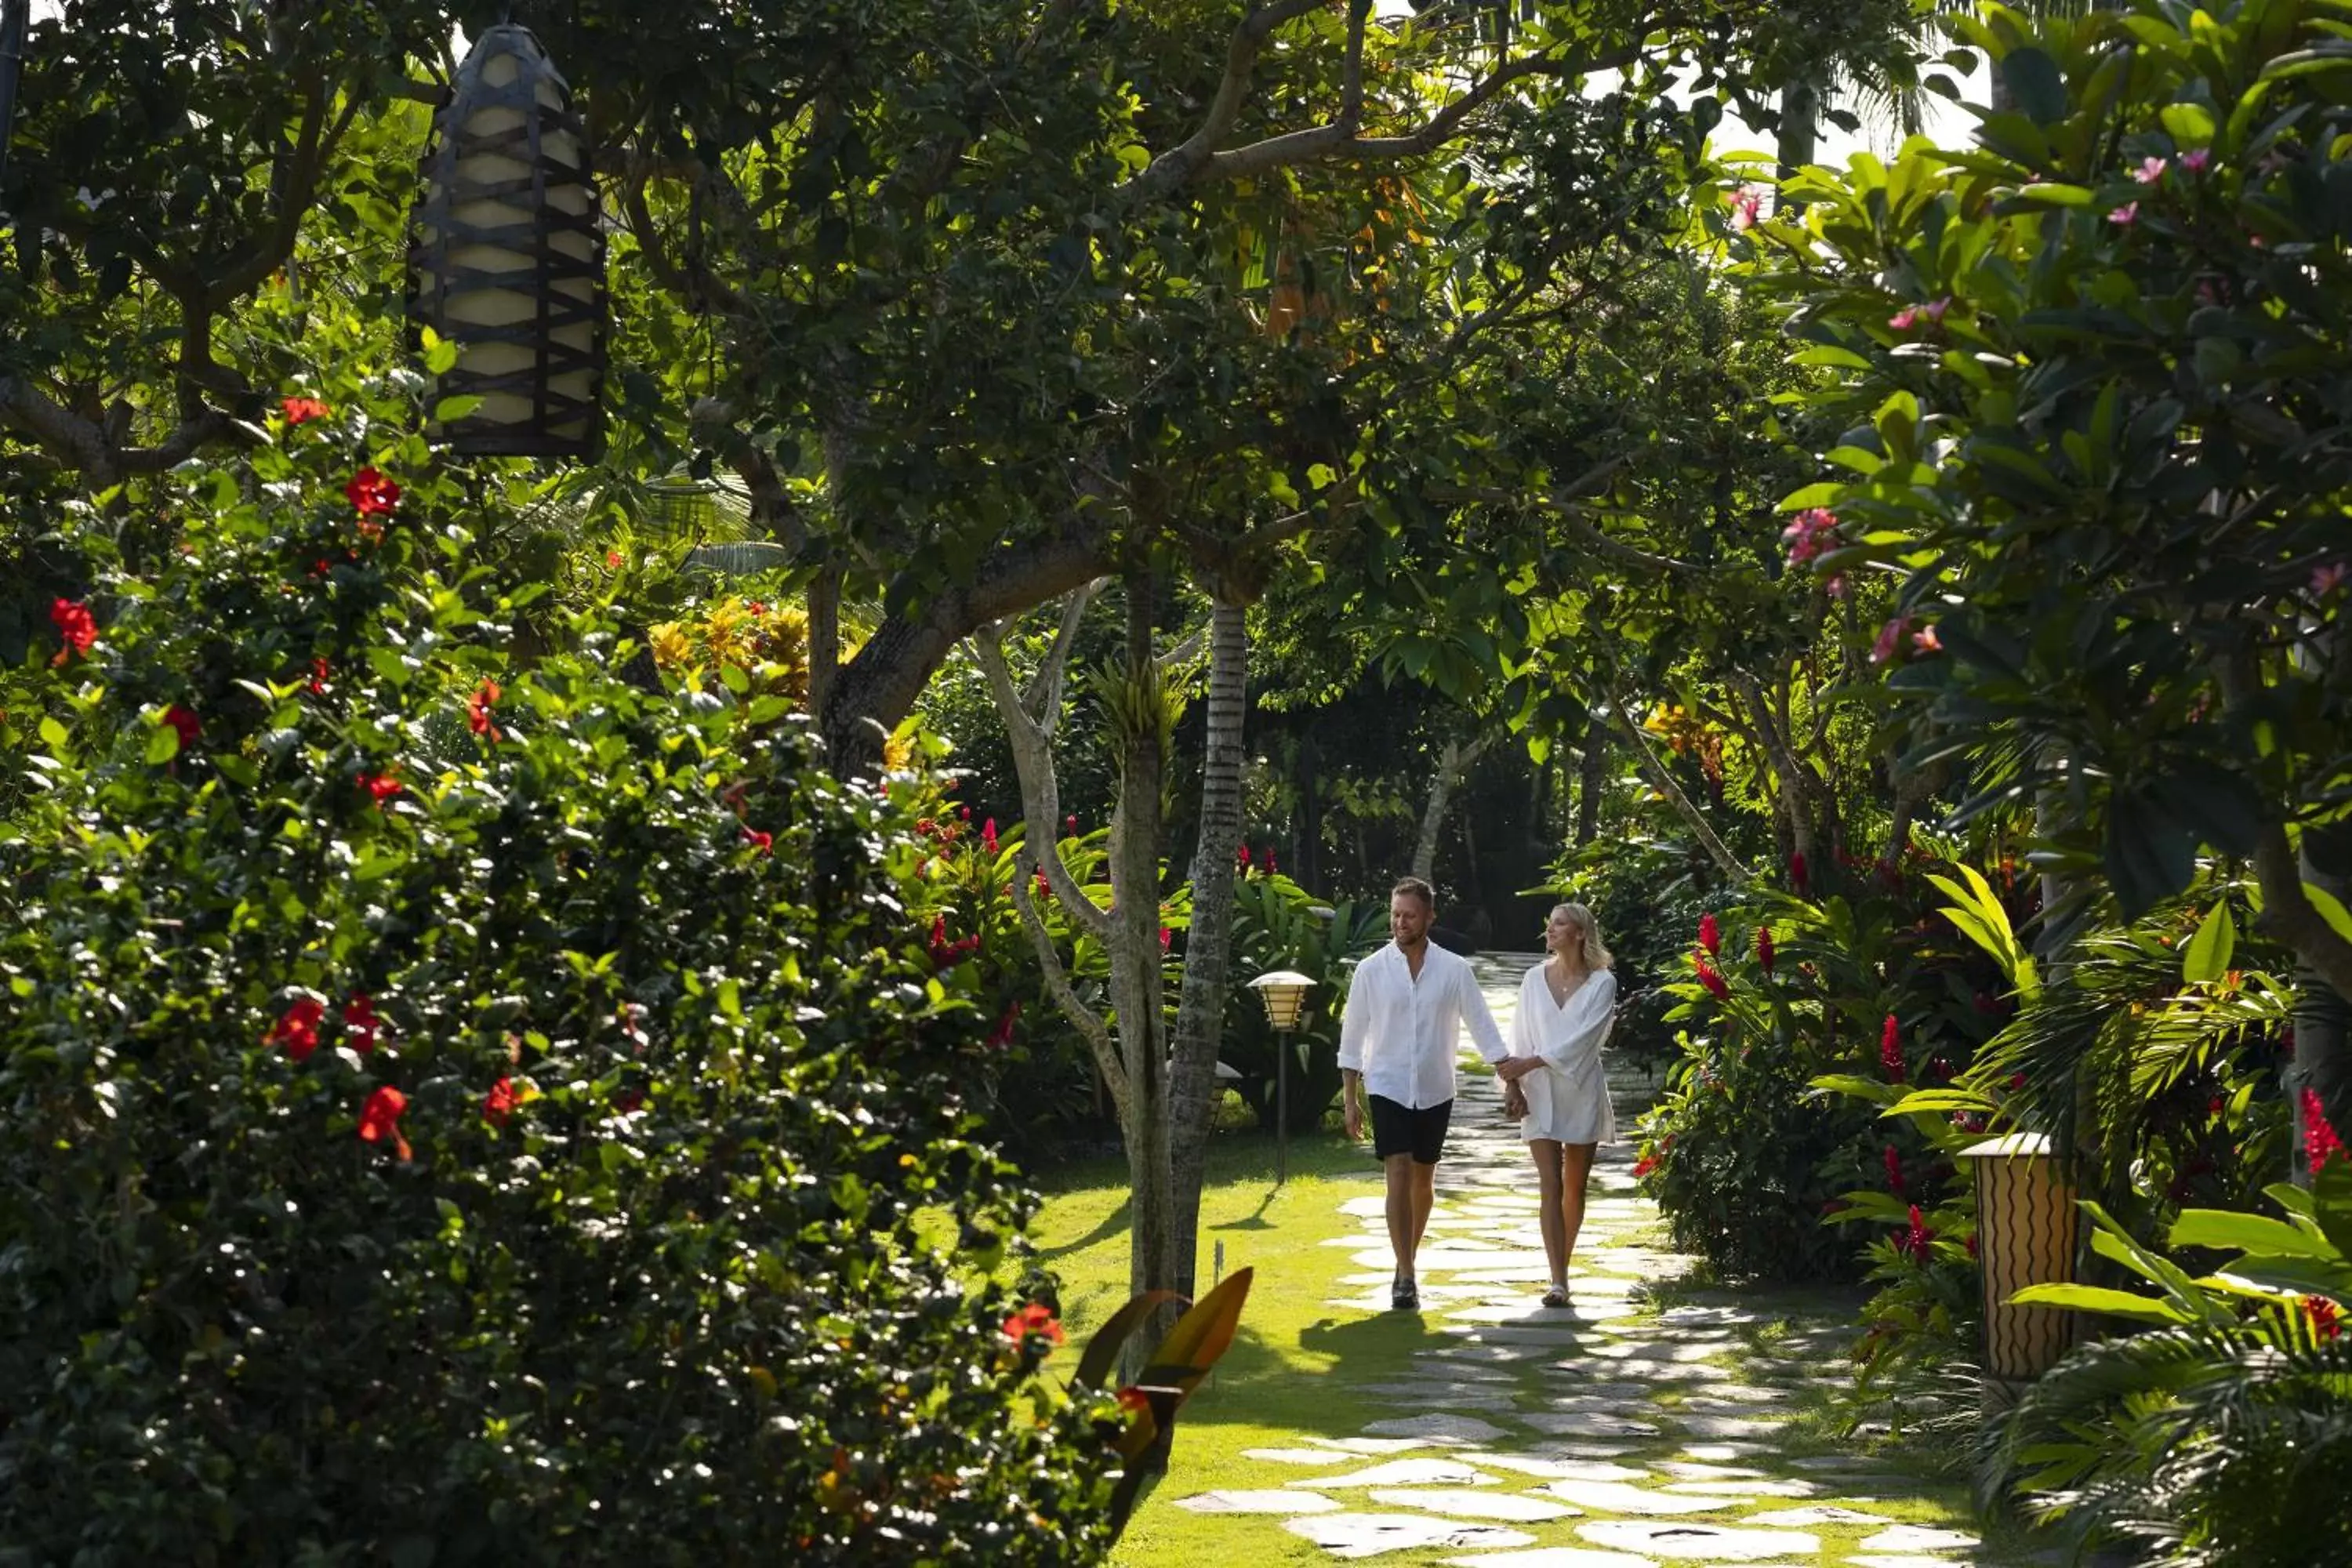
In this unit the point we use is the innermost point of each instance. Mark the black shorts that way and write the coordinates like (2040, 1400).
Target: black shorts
(1399, 1129)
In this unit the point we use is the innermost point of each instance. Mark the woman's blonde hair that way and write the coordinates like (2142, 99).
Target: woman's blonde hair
(1596, 956)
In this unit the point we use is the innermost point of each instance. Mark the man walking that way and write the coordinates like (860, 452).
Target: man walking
(1398, 1037)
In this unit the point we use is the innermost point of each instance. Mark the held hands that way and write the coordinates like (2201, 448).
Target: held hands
(1515, 1102)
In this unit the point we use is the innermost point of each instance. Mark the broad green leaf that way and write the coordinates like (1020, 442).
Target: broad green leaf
(2331, 909)
(2247, 1233)
(2207, 957)
(2098, 1299)
(163, 743)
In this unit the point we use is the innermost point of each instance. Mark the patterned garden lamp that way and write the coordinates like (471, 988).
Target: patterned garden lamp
(507, 256)
(1283, 991)
(2025, 1234)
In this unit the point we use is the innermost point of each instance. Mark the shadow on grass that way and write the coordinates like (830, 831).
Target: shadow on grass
(1110, 1225)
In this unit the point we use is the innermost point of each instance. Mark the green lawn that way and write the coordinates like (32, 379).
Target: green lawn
(1294, 1371)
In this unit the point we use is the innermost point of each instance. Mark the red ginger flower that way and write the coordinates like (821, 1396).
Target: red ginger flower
(478, 712)
(319, 670)
(1893, 1170)
(1002, 1036)
(1241, 859)
(185, 722)
(2326, 1321)
(988, 835)
(303, 410)
(1890, 1048)
(1269, 862)
(1709, 978)
(1913, 1244)
(298, 1027)
(1764, 954)
(1044, 884)
(380, 1118)
(75, 626)
(1036, 1319)
(1798, 877)
(371, 493)
(1070, 824)
(360, 1018)
(1167, 938)
(501, 1102)
(1710, 934)
(2319, 1139)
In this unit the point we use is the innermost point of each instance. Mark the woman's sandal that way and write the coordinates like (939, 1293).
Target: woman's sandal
(1556, 1297)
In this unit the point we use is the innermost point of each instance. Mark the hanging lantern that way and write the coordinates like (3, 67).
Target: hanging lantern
(506, 257)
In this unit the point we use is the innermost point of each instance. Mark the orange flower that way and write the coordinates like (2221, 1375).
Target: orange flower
(380, 1118)
(303, 410)
(75, 626)
(478, 712)
(1034, 1320)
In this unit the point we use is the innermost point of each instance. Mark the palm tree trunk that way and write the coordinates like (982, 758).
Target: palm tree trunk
(1200, 1006)
(1800, 135)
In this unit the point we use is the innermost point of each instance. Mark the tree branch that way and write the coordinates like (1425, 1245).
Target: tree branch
(1044, 697)
(1041, 806)
(1088, 1022)
(1655, 771)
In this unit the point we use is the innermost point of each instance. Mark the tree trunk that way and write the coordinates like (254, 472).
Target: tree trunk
(1136, 980)
(1592, 778)
(1201, 1006)
(1307, 852)
(1456, 760)
(2322, 1061)
(1797, 145)
(824, 636)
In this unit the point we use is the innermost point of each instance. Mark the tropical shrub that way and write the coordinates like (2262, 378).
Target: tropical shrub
(459, 1111)
(1277, 924)
(2221, 1435)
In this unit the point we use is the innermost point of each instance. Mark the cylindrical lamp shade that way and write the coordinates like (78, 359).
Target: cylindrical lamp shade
(2026, 1233)
(507, 256)
(1283, 991)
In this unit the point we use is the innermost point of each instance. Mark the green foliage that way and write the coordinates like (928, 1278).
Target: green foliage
(549, 1155)
(2221, 1435)
(1277, 924)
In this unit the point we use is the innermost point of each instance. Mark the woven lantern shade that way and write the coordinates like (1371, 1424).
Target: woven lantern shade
(2026, 1228)
(507, 256)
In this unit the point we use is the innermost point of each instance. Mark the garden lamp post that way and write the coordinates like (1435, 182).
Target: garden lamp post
(506, 258)
(2026, 1228)
(1283, 991)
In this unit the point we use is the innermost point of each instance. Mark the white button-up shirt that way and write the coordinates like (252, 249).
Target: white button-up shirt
(1401, 1032)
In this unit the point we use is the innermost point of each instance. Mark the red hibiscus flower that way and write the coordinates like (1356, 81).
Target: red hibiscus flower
(380, 787)
(1133, 1398)
(1035, 1320)
(380, 1118)
(765, 843)
(1646, 1165)
(371, 493)
(75, 626)
(360, 1018)
(501, 1102)
(1710, 934)
(185, 722)
(478, 712)
(1764, 954)
(303, 410)
(298, 1027)
(319, 671)
(1890, 1048)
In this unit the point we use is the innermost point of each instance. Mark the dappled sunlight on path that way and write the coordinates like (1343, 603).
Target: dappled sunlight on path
(1646, 1424)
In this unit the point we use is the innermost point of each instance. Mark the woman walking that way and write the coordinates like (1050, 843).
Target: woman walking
(1566, 1004)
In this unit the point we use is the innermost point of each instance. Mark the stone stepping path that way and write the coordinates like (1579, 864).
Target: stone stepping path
(1626, 1431)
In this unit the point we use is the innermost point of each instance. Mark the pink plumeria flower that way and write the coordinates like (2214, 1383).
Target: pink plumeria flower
(1904, 319)
(2196, 158)
(1747, 208)
(1925, 641)
(2326, 579)
(2125, 215)
(1890, 637)
(2149, 172)
(1836, 586)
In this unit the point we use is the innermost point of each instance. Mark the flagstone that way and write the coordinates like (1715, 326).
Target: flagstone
(1696, 1470)
(1437, 1423)
(1377, 1445)
(1619, 1497)
(1569, 1424)
(1519, 1508)
(1553, 1557)
(1370, 1534)
(1491, 1397)
(1723, 1543)
(1511, 1334)
(1713, 1452)
(1284, 1501)
(1557, 1469)
(1735, 1487)
(1901, 1560)
(1725, 1426)
(1817, 1514)
(1408, 1473)
(1920, 1538)
(1295, 1457)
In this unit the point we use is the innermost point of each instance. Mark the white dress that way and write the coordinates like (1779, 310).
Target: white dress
(1568, 1097)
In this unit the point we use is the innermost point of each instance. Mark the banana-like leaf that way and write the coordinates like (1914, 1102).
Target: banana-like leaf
(1204, 1331)
(1102, 1350)
(2293, 1277)
(2098, 1299)
(2247, 1232)
(1860, 1088)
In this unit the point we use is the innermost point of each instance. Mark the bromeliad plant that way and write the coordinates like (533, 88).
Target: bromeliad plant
(2222, 1434)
